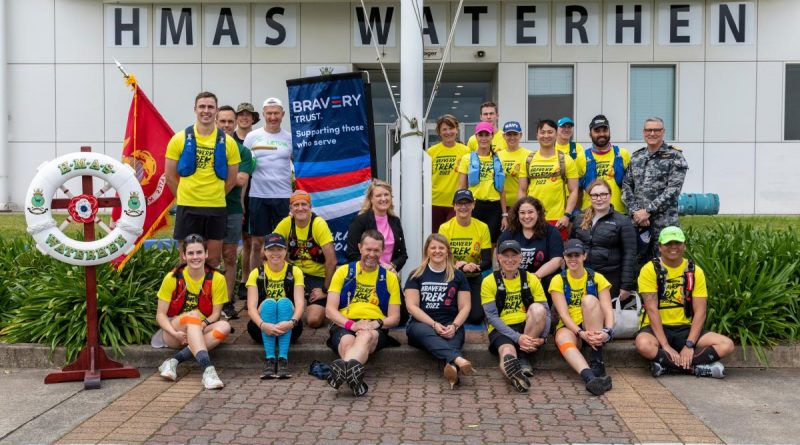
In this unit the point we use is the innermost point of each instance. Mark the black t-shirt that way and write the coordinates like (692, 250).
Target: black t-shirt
(438, 298)
(537, 251)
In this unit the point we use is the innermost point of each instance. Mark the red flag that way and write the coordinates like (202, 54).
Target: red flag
(146, 139)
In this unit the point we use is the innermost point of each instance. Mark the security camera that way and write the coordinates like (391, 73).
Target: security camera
(480, 54)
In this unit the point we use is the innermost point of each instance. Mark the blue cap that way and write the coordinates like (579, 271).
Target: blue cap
(463, 195)
(274, 240)
(564, 121)
(512, 127)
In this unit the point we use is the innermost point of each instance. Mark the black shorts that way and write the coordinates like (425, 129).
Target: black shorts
(496, 339)
(266, 213)
(246, 209)
(490, 213)
(676, 335)
(337, 332)
(210, 222)
(312, 282)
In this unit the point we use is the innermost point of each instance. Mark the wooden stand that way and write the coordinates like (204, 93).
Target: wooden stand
(92, 363)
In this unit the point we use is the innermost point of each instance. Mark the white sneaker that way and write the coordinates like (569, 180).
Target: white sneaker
(169, 369)
(211, 379)
(715, 370)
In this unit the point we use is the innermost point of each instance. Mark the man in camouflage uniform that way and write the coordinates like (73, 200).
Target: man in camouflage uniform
(651, 187)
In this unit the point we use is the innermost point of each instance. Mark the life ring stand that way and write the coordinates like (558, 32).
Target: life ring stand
(50, 238)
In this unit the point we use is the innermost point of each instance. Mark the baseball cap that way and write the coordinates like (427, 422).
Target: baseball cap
(671, 233)
(484, 126)
(463, 194)
(565, 121)
(512, 127)
(248, 107)
(598, 121)
(509, 244)
(272, 102)
(273, 240)
(299, 195)
(574, 246)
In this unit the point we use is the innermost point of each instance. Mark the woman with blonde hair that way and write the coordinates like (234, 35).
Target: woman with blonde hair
(377, 213)
(438, 300)
(610, 240)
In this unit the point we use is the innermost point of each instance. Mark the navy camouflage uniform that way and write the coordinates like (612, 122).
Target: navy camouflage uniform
(653, 182)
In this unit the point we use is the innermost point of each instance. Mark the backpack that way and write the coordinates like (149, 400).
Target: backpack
(288, 283)
(205, 303)
(311, 246)
(525, 290)
(688, 285)
(591, 168)
(187, 162)
(573, 150)
(349, 288)
(562, 171)
(591, 285)
(474, 171)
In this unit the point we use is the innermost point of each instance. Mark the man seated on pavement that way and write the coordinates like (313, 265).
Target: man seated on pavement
(675, 298)
(517, 313)
(189, 305)
(311, 249)
(363, 302)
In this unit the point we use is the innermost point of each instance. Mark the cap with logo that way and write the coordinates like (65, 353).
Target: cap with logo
(574, 246)
(274, 240)
(599, 121)
(248, 107)
(671, 233)
(463, 195)
(509, 244)
(272, 102)
(565, 121)
(484, 126)
(512, 127)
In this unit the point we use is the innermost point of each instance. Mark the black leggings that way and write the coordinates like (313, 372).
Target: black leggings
(476, 314)
(491, 214)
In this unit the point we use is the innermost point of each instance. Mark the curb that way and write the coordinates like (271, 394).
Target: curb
(620, 354)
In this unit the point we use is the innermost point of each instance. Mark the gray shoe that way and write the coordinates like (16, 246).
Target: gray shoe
(525, 364)
(283, 369)
(714, 370)
(656, 369)
(269, 371)
(513, 372)
(598, 385)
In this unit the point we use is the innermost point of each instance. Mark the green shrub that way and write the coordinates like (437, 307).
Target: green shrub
(753, 280)
(47, 299)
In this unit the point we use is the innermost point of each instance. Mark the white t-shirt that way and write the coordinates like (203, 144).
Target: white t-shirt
(272, 153)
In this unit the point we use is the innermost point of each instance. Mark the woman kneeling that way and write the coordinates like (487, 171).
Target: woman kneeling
(189, 305)
(583, 301)
(272, 314)
(438, 300)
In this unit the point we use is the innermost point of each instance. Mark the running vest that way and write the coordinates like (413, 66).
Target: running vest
(187, 163)
(591, 285)
(311, 246)
(349, 288)
(474, 171)
(562, 168)
(525, 290)
(573, 150)
(288, 284)
(591, 168)
(205, 302)
(688, 286)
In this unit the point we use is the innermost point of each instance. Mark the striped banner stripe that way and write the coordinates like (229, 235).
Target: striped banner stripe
(325, 183)
(343, 208)
(325, 168)
(321, 199)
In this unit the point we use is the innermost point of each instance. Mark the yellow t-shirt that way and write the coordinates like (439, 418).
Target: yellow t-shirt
(203, 188)
(580, 159)
(577, 288)
(274, 281)
(445, 162)
(467, 242)
(513, 311)
(672, 316)
(484, 189)
(550, 189)
(219, 290)
(605, 170)
(513, 164)
(364, 304)
(322, 236)
(498, 141)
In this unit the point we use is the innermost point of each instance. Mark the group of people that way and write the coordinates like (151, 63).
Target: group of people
(523, 240)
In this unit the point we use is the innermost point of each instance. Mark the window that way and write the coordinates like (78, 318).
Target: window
(652, 94)
(550, 94)
(791, 128)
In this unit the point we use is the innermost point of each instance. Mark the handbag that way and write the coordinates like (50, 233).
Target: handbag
(626, 321)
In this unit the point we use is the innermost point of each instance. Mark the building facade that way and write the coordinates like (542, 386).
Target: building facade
(725, 76)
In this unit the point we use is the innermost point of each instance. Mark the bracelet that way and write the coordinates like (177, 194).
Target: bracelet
(294, 322)
(205, 321)
(505, 215)
(259, 325)
(578, 334)
(348, 325)
(380, 323)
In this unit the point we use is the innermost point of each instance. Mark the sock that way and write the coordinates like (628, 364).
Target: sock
(587, 375)
(203, 359)
(183, 355)
(705, 356)
(285, 312)
(663, 359)
(269, 313)
(596, 355)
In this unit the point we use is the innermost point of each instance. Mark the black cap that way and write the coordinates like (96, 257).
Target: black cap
(574, 246)
(599, 121)
(463, 195)
(509, 244)
(274, 239)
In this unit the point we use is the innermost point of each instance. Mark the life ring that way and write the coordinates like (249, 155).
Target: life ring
(52, 176)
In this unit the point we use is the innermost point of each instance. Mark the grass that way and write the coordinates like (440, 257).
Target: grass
(12, 225)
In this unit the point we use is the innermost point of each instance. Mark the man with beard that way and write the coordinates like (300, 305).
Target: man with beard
(605, 161)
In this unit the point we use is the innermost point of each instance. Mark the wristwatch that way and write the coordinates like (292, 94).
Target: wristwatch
(380, 323)
(689, 344)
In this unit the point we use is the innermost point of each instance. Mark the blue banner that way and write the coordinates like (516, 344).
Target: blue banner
(333, 138)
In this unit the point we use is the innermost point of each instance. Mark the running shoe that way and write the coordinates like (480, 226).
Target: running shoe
(169, 369)
(270, 369)
(211, 379)
(355, 378)
(283, 369)
(714, 370)
(338, 373)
